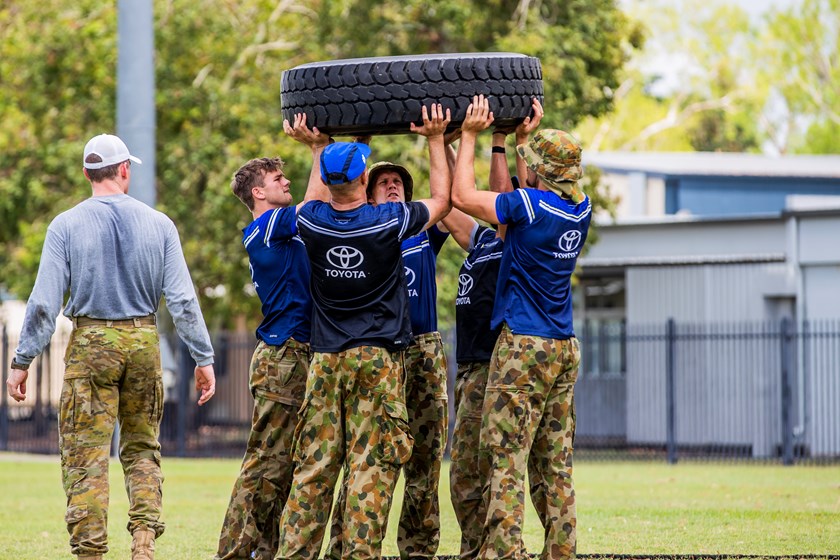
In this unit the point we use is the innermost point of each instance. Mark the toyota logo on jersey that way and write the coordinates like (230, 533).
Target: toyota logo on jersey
(345, 259)
(465, 284)
(569, 241)
(569, 244)
(410, 277)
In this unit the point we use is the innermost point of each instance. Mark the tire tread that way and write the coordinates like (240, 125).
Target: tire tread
(383, 95)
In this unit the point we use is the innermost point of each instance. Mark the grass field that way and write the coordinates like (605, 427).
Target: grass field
(623, 508)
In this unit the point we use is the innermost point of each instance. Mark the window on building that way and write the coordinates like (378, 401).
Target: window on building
(601, 327)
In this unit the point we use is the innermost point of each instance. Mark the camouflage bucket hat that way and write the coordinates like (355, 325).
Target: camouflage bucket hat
(381, 166)
(554, 155)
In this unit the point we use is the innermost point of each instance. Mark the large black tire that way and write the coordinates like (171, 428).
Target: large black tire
(367, 96)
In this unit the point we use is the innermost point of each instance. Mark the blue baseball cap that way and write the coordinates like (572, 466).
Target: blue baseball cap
(343, 162)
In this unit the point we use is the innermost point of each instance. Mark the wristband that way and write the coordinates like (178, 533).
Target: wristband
(498, 150)
(16, 365)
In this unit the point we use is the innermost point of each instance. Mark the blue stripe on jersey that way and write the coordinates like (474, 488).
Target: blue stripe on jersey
(416, 249)
(529, 208)
(252, 235)
(271, 221)
(563, 214)
(492, 256)
(358, 232)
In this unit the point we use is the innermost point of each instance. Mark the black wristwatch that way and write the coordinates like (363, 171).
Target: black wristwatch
(16, 365)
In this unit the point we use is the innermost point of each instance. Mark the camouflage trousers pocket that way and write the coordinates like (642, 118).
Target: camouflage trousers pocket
(73, 477)
(75, 514)
(157, 405)
(84, 415)
(292, 397)
(67, 408)
(266, 502)
(74, 489)
(306, 415)
(396, 441)
(506, 418)
(278, 371)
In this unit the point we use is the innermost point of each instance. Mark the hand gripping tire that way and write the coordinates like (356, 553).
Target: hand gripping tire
(367, 96)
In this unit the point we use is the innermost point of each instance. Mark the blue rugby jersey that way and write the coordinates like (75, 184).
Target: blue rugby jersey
(280, 273)
(419, 255)
(358, 282)
(476, 294)
(544, 237)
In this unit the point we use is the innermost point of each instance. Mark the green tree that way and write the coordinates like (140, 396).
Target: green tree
(735, 84)
(717, 131)
(707, 100)
(57, 85)
(583, 44)
(798, 58)
(218, 66)
(218, 74)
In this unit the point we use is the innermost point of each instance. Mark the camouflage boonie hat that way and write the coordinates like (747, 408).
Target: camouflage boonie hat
(554, 156)
(382, 166)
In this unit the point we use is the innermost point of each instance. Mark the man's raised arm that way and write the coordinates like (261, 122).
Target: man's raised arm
(465, 197)
(315, 189)
(440, 179)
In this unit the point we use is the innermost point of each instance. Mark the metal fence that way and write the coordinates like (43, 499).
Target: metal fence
(673, 391)
(766, 391)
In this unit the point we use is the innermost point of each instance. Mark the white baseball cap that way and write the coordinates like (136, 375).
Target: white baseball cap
(108, 147)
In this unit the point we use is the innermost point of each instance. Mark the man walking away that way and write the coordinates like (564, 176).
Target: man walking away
(118, 257)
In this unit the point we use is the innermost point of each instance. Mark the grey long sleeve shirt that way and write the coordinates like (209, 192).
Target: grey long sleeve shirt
(118, 257)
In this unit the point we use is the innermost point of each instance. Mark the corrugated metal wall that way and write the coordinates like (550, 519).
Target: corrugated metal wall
(822, 381)
(701, 293)
(727, 390)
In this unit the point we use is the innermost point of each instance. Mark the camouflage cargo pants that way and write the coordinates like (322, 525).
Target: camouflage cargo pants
(529, 423)
(353, 416)
(278, 383)
(111, 373)
(465, 483)
(426, 399)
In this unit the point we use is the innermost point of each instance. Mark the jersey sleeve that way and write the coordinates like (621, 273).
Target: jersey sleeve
(437, 238)
(413, 217)
(478, 234)
(515, 207)
(279, 225)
